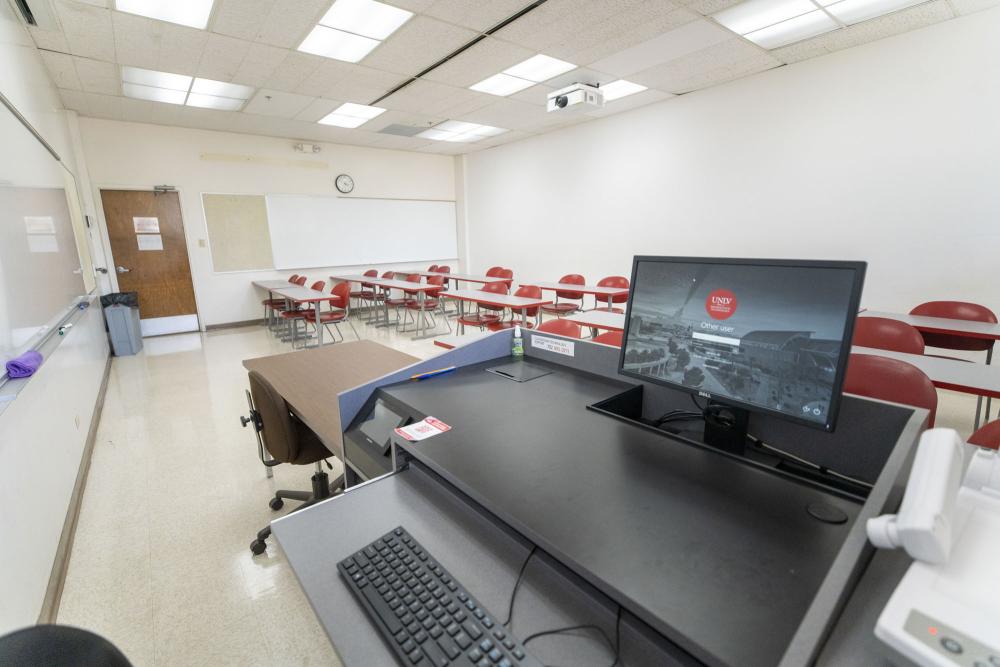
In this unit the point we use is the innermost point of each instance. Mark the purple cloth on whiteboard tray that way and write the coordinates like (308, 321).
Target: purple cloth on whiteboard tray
(25, 365)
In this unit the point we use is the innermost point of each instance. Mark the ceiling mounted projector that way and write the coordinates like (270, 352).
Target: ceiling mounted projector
(578, 97)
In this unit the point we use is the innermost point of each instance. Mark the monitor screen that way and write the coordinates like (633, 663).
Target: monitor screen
(379, 425)
(764, 335)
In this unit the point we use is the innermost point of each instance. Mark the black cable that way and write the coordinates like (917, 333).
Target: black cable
(697, 404)
(517, 584)
(570, 628)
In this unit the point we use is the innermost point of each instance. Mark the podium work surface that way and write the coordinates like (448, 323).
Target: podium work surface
(712, 560)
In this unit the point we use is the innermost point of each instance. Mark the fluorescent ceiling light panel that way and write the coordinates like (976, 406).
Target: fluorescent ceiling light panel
(855, 11)
(620, 88)
(221, 89)
(214, 102)
(753, 15)
(539, 68)
(793, 30)
(148, 77)
(351, 115)
(366, 18)
(193, 13)
(460, 130)
(337, 44)
(502, 85)
(436, 135)
(154, 94)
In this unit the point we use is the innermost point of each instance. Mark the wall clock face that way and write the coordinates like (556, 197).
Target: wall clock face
(344, 183)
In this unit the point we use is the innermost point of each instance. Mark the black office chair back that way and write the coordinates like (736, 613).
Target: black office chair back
(58, 646)
(279, 432)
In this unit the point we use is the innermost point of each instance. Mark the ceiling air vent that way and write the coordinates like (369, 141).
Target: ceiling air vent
(401, 130)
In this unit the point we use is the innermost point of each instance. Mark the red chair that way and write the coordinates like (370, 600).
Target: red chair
(338, 312)
(956, 310)
(300, 281)
(887, 334)
(297, 311)
(400, 302)
(492, 271)
(612, 338)
(562, 328)
(527, 292)
(272, 305)
(479, 318)
(292, 278)
(367, 290)
(432, 267)
(507, 275)
(987, 436)
(444, 268)
(890, 380)
(611, 281)
(432, 302)
(561, 309)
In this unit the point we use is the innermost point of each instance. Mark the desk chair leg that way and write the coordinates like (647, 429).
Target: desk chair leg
(322, 489)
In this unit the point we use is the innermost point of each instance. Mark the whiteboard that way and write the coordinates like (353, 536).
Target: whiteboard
(318, 231)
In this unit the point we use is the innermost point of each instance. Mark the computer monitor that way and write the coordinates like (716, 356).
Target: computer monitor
(757, 335)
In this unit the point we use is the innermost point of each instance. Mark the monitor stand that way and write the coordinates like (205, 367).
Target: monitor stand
(726, 428)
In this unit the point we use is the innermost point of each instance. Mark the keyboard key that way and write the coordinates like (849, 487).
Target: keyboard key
(487, 622)
(451, 608)
(413, 628)
(478, 613)
(420, 637)
(463, 640)
(449, 647)
(508, 643)
(416, 656)
(486, 645)
(475, 654)
(435, 654)
(408, 645)
(504, 663)
(428, 623)
(494, 655)
(518, 653)
(460, 616)
(453, 629)
(435, 631)
(485, 662)
(473, 630)
(463, 597)
(382, 610)
(499, 633)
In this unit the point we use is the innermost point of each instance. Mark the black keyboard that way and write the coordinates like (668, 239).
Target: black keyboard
(427, 617)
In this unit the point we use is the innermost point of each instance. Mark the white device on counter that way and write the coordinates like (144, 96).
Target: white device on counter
(946, 609)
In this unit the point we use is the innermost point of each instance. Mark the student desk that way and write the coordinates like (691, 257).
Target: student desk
(598, 319)
(711, 560)
(953, 374)
(296, 294)
(269, 286)
(942, 325)
(491, 299)
(420, 289)
(458, 277)
(604, 292)
(309, 381)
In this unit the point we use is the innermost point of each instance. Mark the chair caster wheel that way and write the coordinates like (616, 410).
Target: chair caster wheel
(258, 547)
(276, 504)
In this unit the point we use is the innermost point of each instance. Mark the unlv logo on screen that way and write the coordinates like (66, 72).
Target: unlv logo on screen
(720, 304)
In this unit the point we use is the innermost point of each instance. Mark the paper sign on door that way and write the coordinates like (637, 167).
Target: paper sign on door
(149, 241)
(423, 429)
(146, 225)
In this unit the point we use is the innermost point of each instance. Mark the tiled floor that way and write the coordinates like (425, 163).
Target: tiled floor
(161, 564)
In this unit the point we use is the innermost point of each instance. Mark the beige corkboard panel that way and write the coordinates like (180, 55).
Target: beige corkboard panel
(238, 232)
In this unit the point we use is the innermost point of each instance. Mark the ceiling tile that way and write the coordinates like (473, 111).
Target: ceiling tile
(621, 31)
(867, 31)
(317, 109)
(293, 70)
(222, 57)
(420, 42)
(507, 113)
(259, 64)
(181, 48)
(104, 106)
(137, 40)
(689, 38)
(393, 142)
(483, 60)
(61, 70)
(707, 7)
(558, 20)
(447, 148)
(165, 114)
(97, 76)
(75, 100)
(537, 94)
(364, 84)
(415, 6)
(963, 7)
(290, 21)
(137, 111)
(323, 80)
(479, 16)
(708, 67)
(402, 118)
(277, 103)
(52, 40)
(87, 28)
(465, 102)
(425, 97)
(240, 18)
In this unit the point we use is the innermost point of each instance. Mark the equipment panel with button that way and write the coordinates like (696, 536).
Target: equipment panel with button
(951, 644)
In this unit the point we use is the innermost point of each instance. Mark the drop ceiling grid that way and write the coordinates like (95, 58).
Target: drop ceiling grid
(668, 45)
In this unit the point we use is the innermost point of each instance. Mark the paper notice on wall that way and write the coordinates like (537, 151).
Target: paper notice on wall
(557, 345)
(146, 225)
(43, 243)
(150, 241)
(38, 224)
(422, 430)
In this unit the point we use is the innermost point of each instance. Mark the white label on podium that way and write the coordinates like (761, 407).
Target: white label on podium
(557, 345)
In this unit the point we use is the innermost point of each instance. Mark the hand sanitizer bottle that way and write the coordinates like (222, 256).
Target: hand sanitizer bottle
(517, 344)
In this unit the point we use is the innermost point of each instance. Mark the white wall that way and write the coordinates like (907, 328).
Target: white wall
(135, 155)
(43, 431)
(888, 152)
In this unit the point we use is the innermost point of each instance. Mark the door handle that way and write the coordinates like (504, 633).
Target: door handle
(101, 269)
(122, 269)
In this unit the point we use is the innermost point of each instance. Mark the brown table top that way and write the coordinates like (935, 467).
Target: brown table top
(310, 380)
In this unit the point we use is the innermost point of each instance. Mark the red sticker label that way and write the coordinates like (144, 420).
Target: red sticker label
(720, 304)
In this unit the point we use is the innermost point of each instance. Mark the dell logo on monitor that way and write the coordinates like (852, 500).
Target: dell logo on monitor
(704, 394)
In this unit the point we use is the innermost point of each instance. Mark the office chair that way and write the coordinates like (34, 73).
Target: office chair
(886, 334)
(58, 646)
(287, 440)
(891, 380)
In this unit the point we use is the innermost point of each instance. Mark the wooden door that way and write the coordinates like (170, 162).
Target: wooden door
(150, 257)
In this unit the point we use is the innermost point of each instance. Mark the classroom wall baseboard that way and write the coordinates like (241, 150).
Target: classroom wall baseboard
(53, 593)
(234, 325)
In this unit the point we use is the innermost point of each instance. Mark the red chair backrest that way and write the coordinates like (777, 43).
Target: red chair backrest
(987, 436)
(610, 338)
(435, 280)
(432, 267)
(371, 273)
(890, 380)
(444, 268)
(341, 295)
(571, 279)
(301, 281)
(319, 285)
(492, 271)
(886, 334)
(614, 281)
(529, 292)
(495, 288)
(562, 328)
(956, 310)
(508, 274)
(292, 278)
(388, 275)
